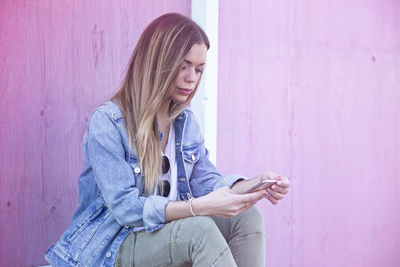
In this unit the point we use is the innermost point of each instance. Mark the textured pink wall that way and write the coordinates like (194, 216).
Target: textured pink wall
(58, 60)
(311, 89)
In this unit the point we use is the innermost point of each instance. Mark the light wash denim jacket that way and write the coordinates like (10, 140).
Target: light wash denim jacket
(110, 188)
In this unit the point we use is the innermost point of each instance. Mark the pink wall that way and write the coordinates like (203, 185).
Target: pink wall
(58, 60)
(311, 89)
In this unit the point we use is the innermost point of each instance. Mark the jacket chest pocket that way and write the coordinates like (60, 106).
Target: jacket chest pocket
(191, 155)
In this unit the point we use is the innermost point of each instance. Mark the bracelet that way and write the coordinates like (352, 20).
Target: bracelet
(190, 206)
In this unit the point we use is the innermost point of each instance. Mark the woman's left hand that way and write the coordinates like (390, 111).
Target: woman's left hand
(277, 191)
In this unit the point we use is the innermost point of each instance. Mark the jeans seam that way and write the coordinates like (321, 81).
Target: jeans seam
(220, 256)
(256, 234)
(197, 245)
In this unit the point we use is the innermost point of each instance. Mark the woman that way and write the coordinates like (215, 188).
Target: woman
(148, 194)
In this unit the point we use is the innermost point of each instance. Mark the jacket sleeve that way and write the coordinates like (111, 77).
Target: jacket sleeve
(115, 178)
(206, 178)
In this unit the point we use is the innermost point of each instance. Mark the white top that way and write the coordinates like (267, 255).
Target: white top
(172, 174)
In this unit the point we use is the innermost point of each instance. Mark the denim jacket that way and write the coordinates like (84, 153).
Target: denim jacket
(111, 201)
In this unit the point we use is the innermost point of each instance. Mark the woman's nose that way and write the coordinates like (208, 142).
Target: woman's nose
(190, 75)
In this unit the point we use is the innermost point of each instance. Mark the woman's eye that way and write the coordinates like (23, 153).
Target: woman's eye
(199, 71)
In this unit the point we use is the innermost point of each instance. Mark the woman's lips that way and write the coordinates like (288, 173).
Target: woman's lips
(185, 91)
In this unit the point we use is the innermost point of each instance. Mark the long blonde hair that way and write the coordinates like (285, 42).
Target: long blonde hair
(153, 68)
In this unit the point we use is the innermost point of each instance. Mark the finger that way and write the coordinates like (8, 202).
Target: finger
(250, 197)
(242, 205)
(251, 204)
(279, 189)
(245, 206)
(277, 196)
(240, 208)
(243, 202)
(270, 198)
(270, 175)
(284, 182)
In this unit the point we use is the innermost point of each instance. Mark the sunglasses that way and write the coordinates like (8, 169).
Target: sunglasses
(164, 186)
(165, 164)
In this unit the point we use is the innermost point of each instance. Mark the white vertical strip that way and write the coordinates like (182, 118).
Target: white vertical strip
(204, 104)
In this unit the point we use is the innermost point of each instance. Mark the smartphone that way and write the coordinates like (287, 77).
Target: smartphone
(261, 185)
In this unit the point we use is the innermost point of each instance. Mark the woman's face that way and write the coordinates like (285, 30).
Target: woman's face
(190, 73)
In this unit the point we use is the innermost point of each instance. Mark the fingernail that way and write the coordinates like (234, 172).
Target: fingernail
(279, 183)
(274, 187)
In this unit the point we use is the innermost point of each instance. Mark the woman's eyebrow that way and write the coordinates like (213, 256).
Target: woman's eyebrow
(190, 62)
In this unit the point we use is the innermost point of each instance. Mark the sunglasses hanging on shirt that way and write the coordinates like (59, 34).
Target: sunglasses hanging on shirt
(164, 186)
(165, 164)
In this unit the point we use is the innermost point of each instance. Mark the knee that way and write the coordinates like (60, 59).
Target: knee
(251, 220)
(201, 228)
(203, 225)
(206, 245)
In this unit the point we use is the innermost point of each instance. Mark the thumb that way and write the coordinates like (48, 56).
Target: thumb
(252, 197)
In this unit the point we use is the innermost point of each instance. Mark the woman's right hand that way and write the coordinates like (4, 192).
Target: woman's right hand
(225, 203)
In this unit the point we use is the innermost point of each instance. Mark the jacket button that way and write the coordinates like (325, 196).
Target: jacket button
(182, 179)
(108, 254)
(193, 157)
(136, 170)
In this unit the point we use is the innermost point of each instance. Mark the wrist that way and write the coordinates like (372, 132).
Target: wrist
(197, 206)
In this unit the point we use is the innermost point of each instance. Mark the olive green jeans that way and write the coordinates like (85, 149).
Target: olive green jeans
(199, 241)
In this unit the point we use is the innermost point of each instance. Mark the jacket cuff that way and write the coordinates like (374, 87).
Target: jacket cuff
(154, 212)
(229, 180)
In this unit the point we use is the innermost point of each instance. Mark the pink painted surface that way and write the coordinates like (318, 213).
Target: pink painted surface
(311, 89)
(58, 61)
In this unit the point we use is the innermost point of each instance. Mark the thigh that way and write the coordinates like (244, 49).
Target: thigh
(146, 249)
(194, 240)
(248, 222)
(245, 236)
(154, 248)
(125, 252)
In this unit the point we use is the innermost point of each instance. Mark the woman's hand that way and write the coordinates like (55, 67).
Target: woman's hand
(225, 202)
(277, 191)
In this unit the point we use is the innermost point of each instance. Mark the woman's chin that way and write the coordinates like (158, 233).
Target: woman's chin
(180, 98)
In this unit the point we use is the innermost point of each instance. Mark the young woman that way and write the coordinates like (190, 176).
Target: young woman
(148, 194)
